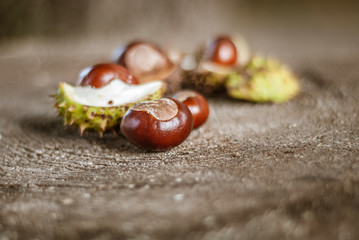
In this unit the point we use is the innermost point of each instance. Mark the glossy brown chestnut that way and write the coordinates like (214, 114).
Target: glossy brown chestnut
(222, 51)
(101, 74)
(145, 60)
(196, 103)
(157, 125)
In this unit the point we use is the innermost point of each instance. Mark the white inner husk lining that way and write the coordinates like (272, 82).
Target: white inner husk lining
(116, 93)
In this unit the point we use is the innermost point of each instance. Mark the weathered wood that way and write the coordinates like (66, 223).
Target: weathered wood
(253, 171)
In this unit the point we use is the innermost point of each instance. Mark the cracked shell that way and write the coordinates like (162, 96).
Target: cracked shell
(101, 109)
(263, 80)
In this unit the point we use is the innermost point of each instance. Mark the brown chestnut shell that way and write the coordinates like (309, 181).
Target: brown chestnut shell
(222, 51)
(146, 131)
(101, 74)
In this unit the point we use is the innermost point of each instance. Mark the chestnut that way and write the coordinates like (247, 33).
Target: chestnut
(222, 51)
(100, 75)
(157, 125)
(196, 103)
(146, 60)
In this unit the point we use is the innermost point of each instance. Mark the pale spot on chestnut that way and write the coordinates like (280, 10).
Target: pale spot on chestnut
(145, 58)
(162, 109)
(184, 95)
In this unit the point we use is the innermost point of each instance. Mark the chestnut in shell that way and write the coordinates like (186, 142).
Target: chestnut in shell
(149, 62)
(145, 60)
(157, 125)
(196, 103)
(100, 75)
(208, 70)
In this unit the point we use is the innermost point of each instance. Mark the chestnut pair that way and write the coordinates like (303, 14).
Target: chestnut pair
(136, 63)
(164, 123)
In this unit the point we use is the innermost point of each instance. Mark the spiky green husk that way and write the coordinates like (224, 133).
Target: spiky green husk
(99, 119)
(263, 80)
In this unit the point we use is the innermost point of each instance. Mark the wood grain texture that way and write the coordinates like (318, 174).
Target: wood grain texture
(253, 171)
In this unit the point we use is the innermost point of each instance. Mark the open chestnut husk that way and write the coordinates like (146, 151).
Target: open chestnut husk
(196, 103)
(157, 125)
(208, 69)
(102, 96)
(149, 62)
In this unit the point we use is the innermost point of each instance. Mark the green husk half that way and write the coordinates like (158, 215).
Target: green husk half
(93, 118)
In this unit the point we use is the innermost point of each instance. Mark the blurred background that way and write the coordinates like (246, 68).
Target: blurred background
(96, 27)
